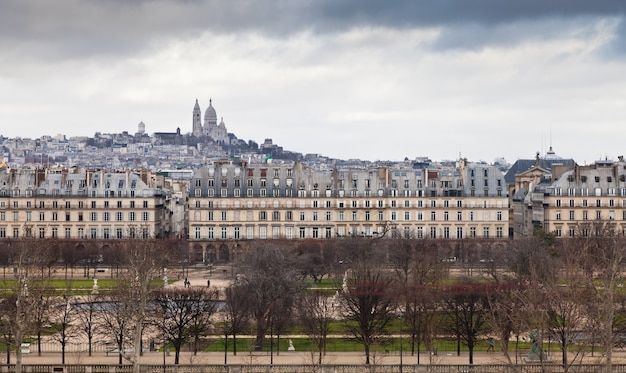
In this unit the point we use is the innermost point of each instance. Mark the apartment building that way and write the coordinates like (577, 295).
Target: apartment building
(238, 200)
(82, 204)
(572, 200)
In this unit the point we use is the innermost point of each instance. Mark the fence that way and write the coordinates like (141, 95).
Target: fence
(487, 368)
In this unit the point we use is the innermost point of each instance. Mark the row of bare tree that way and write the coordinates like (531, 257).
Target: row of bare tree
(568, 290)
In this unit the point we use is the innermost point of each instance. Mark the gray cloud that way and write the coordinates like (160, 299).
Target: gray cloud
(77, 28)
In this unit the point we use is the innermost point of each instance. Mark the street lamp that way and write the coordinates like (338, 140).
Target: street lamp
(400, 315)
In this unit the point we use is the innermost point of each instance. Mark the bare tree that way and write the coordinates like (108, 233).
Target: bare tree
(182, 310)
(144, 261)
(41, 296)
(603, 252)
(20, 305)
(86, 314)
(236, 313)
(273, 277)
(116, 321)
(466, 307)
(418, 278)
(316, 311)
(368, 304)
(64, 314)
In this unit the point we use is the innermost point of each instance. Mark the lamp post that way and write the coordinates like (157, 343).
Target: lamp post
(400, 315)
(164, 340)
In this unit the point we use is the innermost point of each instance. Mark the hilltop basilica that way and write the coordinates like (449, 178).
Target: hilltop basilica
(211, 129)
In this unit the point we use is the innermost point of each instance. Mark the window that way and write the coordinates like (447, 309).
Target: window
(486, 232)
(262, 215)
(145, 216)
(68, 232)
(93, 216)
(223, 215)
(446, 232)
(393, 215)
(224, 233)
(459, 232)
(499, 232)
(131, 216)
(302, 217)
(571, 215)
(237, 233)
(446, 216)
(106, 216)
(433, 215)
(211, 233)
(459, 216)
(302, 232)
(472, 232)
(558, 215)
(499, 215)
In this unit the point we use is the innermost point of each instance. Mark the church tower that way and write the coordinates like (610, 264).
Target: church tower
(197, 123)
(210, 119)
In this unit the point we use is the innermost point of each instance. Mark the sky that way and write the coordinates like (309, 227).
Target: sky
(368, 79)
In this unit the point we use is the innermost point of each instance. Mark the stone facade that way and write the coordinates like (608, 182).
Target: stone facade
(78, 204)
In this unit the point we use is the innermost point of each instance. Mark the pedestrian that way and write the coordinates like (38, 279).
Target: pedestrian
(208, 283)
(491, 345)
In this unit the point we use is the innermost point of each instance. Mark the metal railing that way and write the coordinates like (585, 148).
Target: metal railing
(326, 368)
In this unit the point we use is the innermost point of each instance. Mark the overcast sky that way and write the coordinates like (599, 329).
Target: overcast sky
(369, 79)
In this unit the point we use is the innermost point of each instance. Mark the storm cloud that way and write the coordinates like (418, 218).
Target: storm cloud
(347, 78)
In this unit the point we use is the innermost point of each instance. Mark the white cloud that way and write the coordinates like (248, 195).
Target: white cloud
(367, 91)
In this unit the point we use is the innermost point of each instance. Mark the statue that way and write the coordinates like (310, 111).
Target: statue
(291, 348)
(535, 354)
(95, 286)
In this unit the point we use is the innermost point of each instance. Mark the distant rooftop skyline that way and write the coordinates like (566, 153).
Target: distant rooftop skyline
(344, 78)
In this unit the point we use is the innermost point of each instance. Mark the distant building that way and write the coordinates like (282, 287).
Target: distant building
(81, 204)
(573, 200)
(211, 128)
(231, 201)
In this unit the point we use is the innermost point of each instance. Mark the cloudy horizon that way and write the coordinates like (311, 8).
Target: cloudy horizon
(345, 78)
